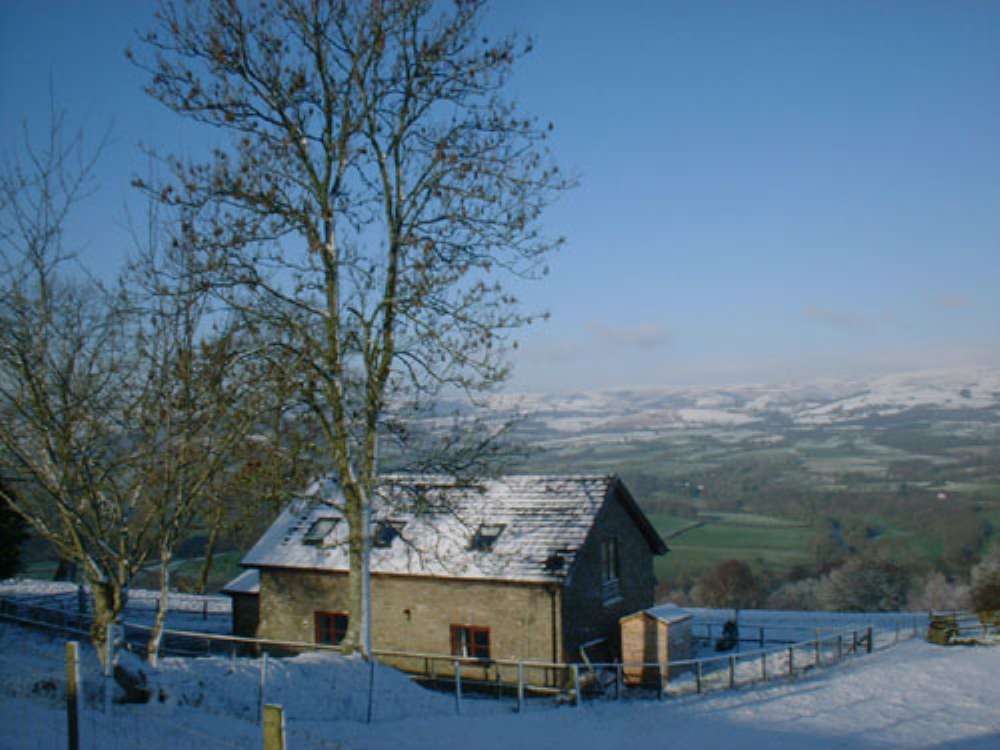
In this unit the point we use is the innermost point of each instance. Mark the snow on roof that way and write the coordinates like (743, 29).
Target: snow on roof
(247, 582)
(668, 613)
(544, 520)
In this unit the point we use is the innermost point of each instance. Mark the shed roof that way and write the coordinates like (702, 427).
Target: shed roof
(544, 519)
(247, 582)
(668, 613)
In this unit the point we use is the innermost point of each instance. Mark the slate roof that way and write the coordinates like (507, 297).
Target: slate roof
(247, 582)
(545, 521)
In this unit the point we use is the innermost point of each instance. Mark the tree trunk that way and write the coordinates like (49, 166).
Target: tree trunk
(156, 635)
(353, 640)
(108, 605)
(206, 567)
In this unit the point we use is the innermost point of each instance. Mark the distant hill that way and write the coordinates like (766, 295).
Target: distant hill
(652, 412)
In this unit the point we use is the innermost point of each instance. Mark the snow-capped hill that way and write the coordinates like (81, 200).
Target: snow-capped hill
(822, 402)
(895, 394)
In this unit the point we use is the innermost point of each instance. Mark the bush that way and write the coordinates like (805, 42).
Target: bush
(730, 584)
(796, 595)
(986, 583)
(864, 585)
(937, 593)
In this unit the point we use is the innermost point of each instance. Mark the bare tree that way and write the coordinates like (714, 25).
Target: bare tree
(375, 192)
(119, 410)
(199, 399)
(65, 394)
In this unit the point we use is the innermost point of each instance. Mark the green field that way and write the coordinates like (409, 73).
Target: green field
(765, 540)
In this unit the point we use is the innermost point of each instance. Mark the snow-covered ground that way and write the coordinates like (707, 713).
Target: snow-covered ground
(910, 695)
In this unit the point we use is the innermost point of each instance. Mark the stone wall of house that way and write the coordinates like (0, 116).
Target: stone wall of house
(590, 612)
(414, 614)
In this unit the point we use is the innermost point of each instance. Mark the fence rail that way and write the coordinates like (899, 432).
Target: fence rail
(512, 679)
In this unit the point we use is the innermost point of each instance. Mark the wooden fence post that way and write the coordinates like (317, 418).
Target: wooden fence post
(72, 691)
(763, 666)
(854, 642)
(816, 647)
(574, 673)
(260, 686)
(109, 655)
(371, 689)
(761, 636)
(732, 671)
(697, 676)
(869, 639)
(791, 661)
(520, 687)
(274, 728)
(458, 686)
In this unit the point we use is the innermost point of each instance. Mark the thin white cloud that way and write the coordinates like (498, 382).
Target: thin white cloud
(639, 336)
(839, 319)
(953, 301)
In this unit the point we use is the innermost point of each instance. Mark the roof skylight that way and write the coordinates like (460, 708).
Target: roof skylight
(486, 537)
(319, 530)
(385, 533)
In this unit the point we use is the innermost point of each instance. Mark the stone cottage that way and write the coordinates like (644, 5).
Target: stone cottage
(524, 567)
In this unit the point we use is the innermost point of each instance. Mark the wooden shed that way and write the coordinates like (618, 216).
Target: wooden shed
(244, 590)
(651, 638)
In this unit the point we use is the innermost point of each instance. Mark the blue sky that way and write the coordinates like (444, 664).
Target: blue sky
(769, 191)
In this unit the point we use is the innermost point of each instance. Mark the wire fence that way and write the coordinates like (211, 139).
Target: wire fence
(266, 671)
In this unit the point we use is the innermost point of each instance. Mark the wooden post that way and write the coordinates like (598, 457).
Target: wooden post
(260, 686)
(732, 671)
(574, 673)
(204, 611)
(371, 689)
(854, 641)
(816, 647)
(791, 661)
(499, 684)
(763, 666)
(520, 687)
(761, 636)
(697, 676)
(458, 686)
(109, 655)
(660, 692)
(869, 640)
(72, 691)
(274, 728)
(619, 680)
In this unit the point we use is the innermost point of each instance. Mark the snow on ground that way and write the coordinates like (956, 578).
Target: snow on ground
(913, 696)
(910, 695)
(203, 613)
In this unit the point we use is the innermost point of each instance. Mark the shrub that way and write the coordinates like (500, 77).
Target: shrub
(986, 583)
(864, 585)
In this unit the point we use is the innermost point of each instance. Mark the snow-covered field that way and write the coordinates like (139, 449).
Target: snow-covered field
(911, 695)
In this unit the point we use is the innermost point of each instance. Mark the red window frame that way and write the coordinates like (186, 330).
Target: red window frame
(330, 627)
(470, 641)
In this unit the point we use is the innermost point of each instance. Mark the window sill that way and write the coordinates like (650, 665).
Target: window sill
(611, 592)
